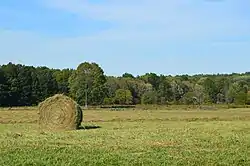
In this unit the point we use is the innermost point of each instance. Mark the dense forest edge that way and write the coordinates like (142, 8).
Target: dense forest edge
(22, 85)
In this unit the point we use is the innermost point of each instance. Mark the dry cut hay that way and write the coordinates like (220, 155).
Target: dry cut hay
(59, 112)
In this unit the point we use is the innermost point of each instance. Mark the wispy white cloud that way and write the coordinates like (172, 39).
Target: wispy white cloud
(161, 19)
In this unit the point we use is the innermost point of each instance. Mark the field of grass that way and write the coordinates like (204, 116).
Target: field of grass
(134, 137)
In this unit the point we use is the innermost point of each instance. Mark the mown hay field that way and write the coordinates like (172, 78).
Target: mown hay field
(152, 137)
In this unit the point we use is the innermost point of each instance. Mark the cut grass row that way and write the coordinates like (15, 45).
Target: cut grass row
(129, 143)
(31, 115)
(156, 137)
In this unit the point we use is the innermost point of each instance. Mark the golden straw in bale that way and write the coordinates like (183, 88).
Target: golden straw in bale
(59, 112)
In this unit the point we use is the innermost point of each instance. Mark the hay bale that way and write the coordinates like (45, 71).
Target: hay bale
(59, 112)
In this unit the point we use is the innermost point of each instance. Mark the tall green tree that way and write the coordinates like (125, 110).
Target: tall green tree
(88, 78)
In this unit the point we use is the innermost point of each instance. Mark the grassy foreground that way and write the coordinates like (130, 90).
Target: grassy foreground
(160, 137)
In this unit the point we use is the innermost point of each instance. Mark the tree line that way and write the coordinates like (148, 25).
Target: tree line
(22, 85)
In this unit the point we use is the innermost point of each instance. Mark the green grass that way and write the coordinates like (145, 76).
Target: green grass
(161, 137)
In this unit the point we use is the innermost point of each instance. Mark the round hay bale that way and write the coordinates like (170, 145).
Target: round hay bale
(59, 112)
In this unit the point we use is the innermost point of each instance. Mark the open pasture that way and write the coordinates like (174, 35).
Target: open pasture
(133, 137)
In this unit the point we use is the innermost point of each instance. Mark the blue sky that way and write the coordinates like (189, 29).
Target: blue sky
(161, 36)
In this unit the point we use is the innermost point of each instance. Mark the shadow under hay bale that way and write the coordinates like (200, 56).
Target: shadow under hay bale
(88, 127)
(59, 112)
